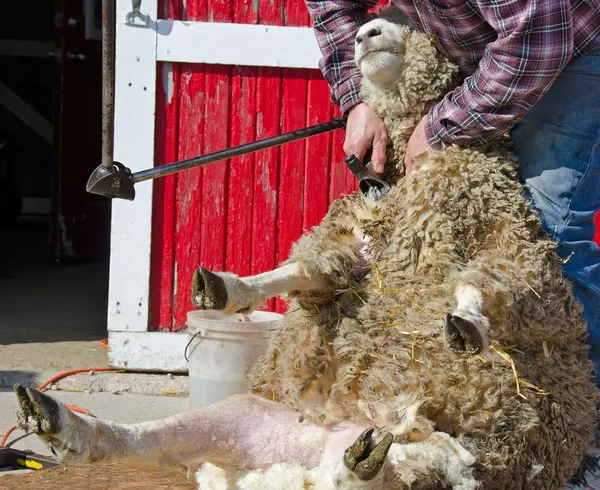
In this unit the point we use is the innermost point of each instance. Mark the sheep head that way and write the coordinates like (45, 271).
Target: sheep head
(379, 52)
(402, 64)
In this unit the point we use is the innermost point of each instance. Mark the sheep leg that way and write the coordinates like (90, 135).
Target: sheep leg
(466, 329)
(74, 438)
(242, 431)
(233, 294)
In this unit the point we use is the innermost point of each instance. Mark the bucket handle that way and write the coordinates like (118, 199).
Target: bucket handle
(200, 331)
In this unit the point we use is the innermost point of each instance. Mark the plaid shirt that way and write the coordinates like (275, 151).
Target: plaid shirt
(509, 53)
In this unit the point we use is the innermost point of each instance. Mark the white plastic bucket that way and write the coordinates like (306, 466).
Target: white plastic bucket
(221, 351)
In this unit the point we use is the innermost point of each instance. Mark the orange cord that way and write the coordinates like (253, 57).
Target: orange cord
(103, 343)
(70, 373)
(74, 408)
(5, 436)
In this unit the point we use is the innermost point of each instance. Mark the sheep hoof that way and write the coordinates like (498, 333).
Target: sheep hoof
(364, 461)
(38, 413)
(208, 290)
(462, 336)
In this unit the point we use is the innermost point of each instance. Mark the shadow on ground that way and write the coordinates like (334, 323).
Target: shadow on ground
(25, 378)
(45, 301)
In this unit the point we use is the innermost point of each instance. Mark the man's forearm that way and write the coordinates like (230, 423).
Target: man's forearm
(335, 24)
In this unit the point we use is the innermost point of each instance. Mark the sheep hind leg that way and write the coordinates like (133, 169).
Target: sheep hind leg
(233, 294)
(466, 329)
(233, 433)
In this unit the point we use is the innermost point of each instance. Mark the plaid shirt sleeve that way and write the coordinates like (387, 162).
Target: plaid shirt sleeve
(535, 42)
(335, 24)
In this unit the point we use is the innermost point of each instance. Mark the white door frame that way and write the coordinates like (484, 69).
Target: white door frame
(138, 49)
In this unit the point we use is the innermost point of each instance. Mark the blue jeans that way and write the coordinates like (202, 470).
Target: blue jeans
(558, 146)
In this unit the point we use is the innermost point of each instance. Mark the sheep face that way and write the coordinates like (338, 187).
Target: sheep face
(379, 52)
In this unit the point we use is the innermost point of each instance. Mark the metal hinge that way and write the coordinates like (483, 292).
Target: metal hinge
(136, 18)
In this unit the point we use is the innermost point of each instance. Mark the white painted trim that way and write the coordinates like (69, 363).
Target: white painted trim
(148, 351)
(237, 44)
(135, 90)
(24, 48)
(26, 113)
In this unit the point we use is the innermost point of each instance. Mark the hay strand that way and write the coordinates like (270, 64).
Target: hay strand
(518, 381)
(530, 287)
(534, 388)
(504, 355)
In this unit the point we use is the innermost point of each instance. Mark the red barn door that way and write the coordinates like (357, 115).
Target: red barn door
(242, 215)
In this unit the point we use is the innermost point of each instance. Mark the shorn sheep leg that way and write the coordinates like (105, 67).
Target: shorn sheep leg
(242, 431)
(233, 294)
(466, 329)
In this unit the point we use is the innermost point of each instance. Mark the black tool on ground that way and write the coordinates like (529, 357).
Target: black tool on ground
(116, 180)
(18, 460)
(368, 182)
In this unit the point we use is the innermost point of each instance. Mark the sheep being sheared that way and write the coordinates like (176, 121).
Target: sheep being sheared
(431, 333)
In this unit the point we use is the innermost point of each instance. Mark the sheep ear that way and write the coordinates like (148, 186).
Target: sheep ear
(391, 13)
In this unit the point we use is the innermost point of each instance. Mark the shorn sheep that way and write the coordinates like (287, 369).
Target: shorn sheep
(431, 340)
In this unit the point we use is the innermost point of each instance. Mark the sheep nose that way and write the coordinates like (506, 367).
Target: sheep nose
(374, 31)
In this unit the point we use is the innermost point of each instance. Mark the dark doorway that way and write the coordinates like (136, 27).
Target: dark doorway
(54, 237)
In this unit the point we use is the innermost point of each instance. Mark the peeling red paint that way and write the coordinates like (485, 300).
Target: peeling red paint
(242, 215)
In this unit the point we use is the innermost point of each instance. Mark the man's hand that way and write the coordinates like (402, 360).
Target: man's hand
(417, 144)
(365, 131)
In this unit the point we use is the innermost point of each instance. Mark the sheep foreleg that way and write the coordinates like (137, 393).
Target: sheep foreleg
(466, 329)
(233, 294)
